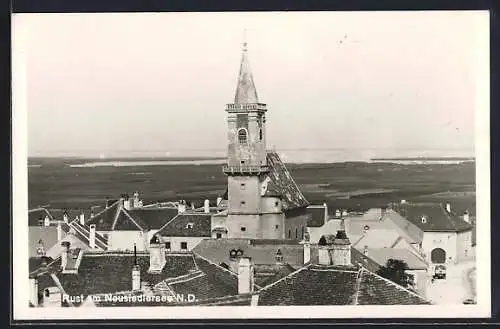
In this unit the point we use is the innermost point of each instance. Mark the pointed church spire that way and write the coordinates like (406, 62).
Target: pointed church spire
(245, 90)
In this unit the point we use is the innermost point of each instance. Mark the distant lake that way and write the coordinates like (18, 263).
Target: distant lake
(298, 156)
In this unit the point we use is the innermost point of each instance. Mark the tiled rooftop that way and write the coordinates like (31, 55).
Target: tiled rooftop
(188, 225)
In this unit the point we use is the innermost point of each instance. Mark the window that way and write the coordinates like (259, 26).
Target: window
(289, 234)
(218, 235)
(47, 293)
(260, 134)
(243, 229)
(184, 245)
(167, 245)
(276, 226)
(189, 225)
(296, 233)
(242, 203)
(242, 161)
(242, 185)
(242, 136)
(276, 203)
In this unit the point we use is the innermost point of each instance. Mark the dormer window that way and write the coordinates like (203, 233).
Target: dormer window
(242, 136)
(189, 225)
(424, 220)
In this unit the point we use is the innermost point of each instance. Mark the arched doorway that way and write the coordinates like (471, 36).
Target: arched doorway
(438, 256)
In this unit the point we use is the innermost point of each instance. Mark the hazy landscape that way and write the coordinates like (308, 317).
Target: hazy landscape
(66, 183)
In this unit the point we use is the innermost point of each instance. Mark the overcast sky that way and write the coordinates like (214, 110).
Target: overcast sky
(101, 83)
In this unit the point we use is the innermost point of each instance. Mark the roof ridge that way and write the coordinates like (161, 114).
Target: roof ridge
(115, 219)
(208, 260)
(286, 277)
(400, 287)
(358, 284)
(132, 219)
(164, 225)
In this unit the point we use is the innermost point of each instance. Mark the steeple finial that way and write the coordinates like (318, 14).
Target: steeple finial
(245, 90)
(245, 44)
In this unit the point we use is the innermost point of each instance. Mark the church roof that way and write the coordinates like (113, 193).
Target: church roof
(281, 184)
(246, 93)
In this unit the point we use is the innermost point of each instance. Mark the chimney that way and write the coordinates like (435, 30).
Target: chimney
(448, 207)
(326, 212)
(206, 206)
(307, 252)
(107, 202)
(59, 231)
(192, 205)
(64, 254)
(34, 291)
(65, 217)
(136, 273)
(337, 213)
(365, 251)
(92, 236)
(219, 200)
(126, 202)
(279, 257)
(136, 200)
(344, 213)
(46, 221)
(341, 249)
(466, 216)
(82, 218)
(91, 213)
(181, 207)
(403, 201)
(245, 275)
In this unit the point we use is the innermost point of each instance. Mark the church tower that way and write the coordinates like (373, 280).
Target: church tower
(246, 161)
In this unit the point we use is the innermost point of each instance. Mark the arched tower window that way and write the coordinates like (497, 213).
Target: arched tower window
(242, 136)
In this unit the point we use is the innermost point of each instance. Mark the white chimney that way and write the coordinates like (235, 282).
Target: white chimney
(136, 200)
(65, 217)
(324, 257)
(219, 200)
(307, 252)
(466, 216)
(136, 278)
(403, 201)
(344, 213)
(206, 206)
(92, 236)
(59, 231)
(448, 207)
(365, 251)
(82, 218)
(126, 203)
(181, 207)
(46, 221)
(92, 213)
(64, 253)
(34, 291)
(326, 211)
(245, 275)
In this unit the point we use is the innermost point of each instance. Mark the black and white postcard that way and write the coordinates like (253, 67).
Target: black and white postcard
(251, 165)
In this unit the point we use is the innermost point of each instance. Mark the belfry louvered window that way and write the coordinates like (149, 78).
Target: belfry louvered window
(242, 136)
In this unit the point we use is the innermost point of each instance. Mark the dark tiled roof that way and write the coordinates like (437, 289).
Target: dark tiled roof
(358, 258)
(125, 222)
(267, 274)
(36, 262)
(105, 220)
(437, 219)
(317, 218)
(154, 218)
(334, 285)
(218, 250)
(111, 272)
(179, 226)
(213, 282)
(37, 215)
(282, 184)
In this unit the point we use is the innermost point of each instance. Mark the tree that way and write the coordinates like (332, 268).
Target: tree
(396, 271)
